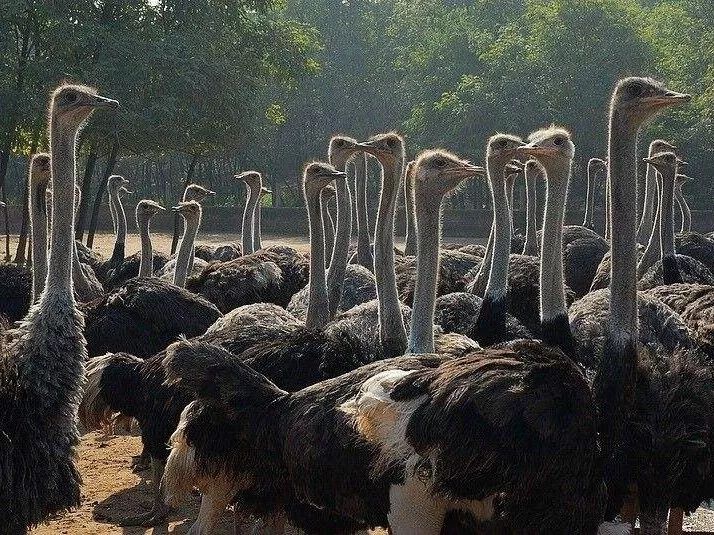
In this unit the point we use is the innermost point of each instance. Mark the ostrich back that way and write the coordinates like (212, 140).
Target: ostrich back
(222, 253)
(129, 269)
(89, 256)
(601, 280)
(691, 270)
(41, 380)
(16, 291)
(145, 315)
(581, 259)
(697, 246)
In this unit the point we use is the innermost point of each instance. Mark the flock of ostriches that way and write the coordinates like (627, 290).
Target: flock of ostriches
(557, 383)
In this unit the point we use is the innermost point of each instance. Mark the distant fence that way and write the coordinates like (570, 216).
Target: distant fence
(293, 222)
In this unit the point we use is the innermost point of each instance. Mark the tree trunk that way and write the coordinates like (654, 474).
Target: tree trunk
(3, 171)
(24, 227)
(177, 218)
(86, 183)
(111, 162)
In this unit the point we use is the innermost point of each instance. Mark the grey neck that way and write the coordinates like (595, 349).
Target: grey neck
(257, 224)
(338, 263)
(121, 217)
(479, 287)
(59, 271)
(421, 333)
(531, 245)
(552, 291)
(607, 208)
(684, 209)
(498, 276)
(410, 246)
(666, 216)
(185, 250)
(146, 266)
(318, 307)
(392, 332)
(653, 251)
(510, 183)
(113, 213)
(364, 249)
(588, 220)
(329, 228)
(38, 228)
(648, 219)
(248, 217)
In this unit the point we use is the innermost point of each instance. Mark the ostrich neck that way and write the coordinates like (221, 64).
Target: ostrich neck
(479, 287)
(318, 308)
(531, 245)
(684, 209)
(607, 208)
(119, 245)
(248, 215)
(364, 252)
(498, 275)
(329, 229)
(653, 251)
(590, 197)
(59, 271)
(38, 228)
(340, 250)
(410, 246)
(510, 183)
(113, 212)
(185, 250)
(666, 230)
(257, 225)
(648, 219)
(392, 332)
(421, 334)
(146, 265)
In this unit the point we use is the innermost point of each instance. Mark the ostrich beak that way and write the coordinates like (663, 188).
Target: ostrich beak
(682, 163)
(241, 176)
(466, 170)
(210, 193)
(370, 148)
(532, 150)
(158, 206)
(104, 102)
(175, 208)
(336, 174)
(669, 98)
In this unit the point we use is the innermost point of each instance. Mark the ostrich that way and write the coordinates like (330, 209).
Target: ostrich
(671, 268)
(595, 166)
(192, 192)
(264, 192)
(42, 369)
(685, 212)
(367, 496)
(517, 240)
(86, 285)
(410, 233)
(644, 439)
(206, 252)
(328, 193)
(253, 181)
(178, 269)
(157, 406)
(486, 320)
(146, 314)
(531, 172)
(648, 218)
(421, 421)
(364, 255)
(40, 173)
(116, 208)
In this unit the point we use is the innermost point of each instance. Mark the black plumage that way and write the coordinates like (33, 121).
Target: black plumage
(16, 291)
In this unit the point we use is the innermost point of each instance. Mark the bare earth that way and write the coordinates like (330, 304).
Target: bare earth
(111, 491)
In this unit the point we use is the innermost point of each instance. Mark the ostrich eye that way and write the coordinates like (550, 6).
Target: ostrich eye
(391, 143)
(502, 143)
(636, 90)
(71, 97)
(558, 141)
(440, 162)
(340, 142)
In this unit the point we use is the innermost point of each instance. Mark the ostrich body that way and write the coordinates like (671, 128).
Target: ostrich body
(649, 206)
(42, 370)
(366, 496)
(595, 166)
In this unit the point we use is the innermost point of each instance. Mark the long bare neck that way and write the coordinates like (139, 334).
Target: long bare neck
(410, 246)
(648, 219)
(59, 270)
(653, 251)
(338, 263)
(392, 332)
(121, 221)
(421, 333)
(479, 287)
(318, 307)
(498, 275)
(248, 215)
(590, 197)
(607, 209)
(684, 210)
(185, 251)
(257, 225)
(38, 227)
(146, 266)
(510, 183)
(530, 247)
(329, 228)
(554, 315)
(364, 249)
(667, 213)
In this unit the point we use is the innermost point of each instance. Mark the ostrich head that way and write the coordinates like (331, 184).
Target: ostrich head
(71, 105)
(501, 148)
(328, 192)
(252, 179)
(534, 168)
(663, 161)
(341, 150)
(513, 169)
(387, 148)
(189, 210)
(196, 192)
(146, 209)
(660, 145)
(552, 147)
(682, 179)
(115, 182)
(597, 164)
(638, 100)
(318, 175)
(439, 172)
(41, 168)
